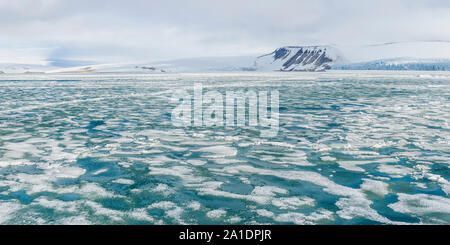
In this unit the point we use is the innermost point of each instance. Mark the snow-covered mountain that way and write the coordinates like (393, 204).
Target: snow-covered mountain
(431, 55)
(299, 58)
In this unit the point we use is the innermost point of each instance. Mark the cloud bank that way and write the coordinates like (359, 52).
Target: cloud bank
(39, 31)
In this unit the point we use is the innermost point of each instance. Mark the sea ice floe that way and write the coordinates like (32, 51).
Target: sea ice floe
(296, 157)
(196, 162)
(7, 210)
(125, 164)
(100, 171)
(359, 207)
(234, 220)
(67, 172)
(216, 214)
(355, 203)
(171, 210)
(354, 164)
(376, 187)
(292, 202)
(218, 151)
(78, 210)
(57, 205)
(14, 163)
(98, 209)
(227, 160)
(306, 219)
(40, 162)
(140, 214)
(123, 181)
(17, 151)
(184, 173)
(73, 220)
(264, 213)
(260, 194)
(163, 189)
(165, 205)
(158, 160)
(194, 205)
(420, 204)
(328, 159)
(394, 171)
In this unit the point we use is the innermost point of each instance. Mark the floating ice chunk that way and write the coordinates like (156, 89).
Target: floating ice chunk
(245, 180)
(124, 181)
(328, 159)
(74, 220)
(216, 214)
(303, 219)
(354, 165)
(265, 213)
(90, 190)
(163, 189)
(196, 162)
(17, 150)
(57, 205)
(140, 214)
(68, 172)
(376, 187)
(125, 164)
(159, 160)
(234, 219)
(260, 194)
(268, 191)
(14, 163)
(184, 173)
(164, 205)
(422, 173)
(7, 210)
(296, 157)
(171, 210)
(355, 203)
(420, 204)
(359, 207)
(100, 171)
(98, 209)
(176, 214)
(227, 160)
(194, 205)
(292, 202)
(219, 151)
(395, 171)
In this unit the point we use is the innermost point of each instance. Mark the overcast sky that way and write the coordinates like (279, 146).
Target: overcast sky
(34, 31)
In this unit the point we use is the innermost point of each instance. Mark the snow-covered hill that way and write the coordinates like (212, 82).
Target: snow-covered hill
(434, 55)
(299, 58)
(23, 68)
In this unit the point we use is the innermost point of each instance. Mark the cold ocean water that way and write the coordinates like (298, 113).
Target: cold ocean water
(352, 147)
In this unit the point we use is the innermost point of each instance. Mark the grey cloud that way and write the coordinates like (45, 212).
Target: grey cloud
(103, 31)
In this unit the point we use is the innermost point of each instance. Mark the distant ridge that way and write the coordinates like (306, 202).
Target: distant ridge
(410, 55)
(299, 58)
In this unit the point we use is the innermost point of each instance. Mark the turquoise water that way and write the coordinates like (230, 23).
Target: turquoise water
(352, 148)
